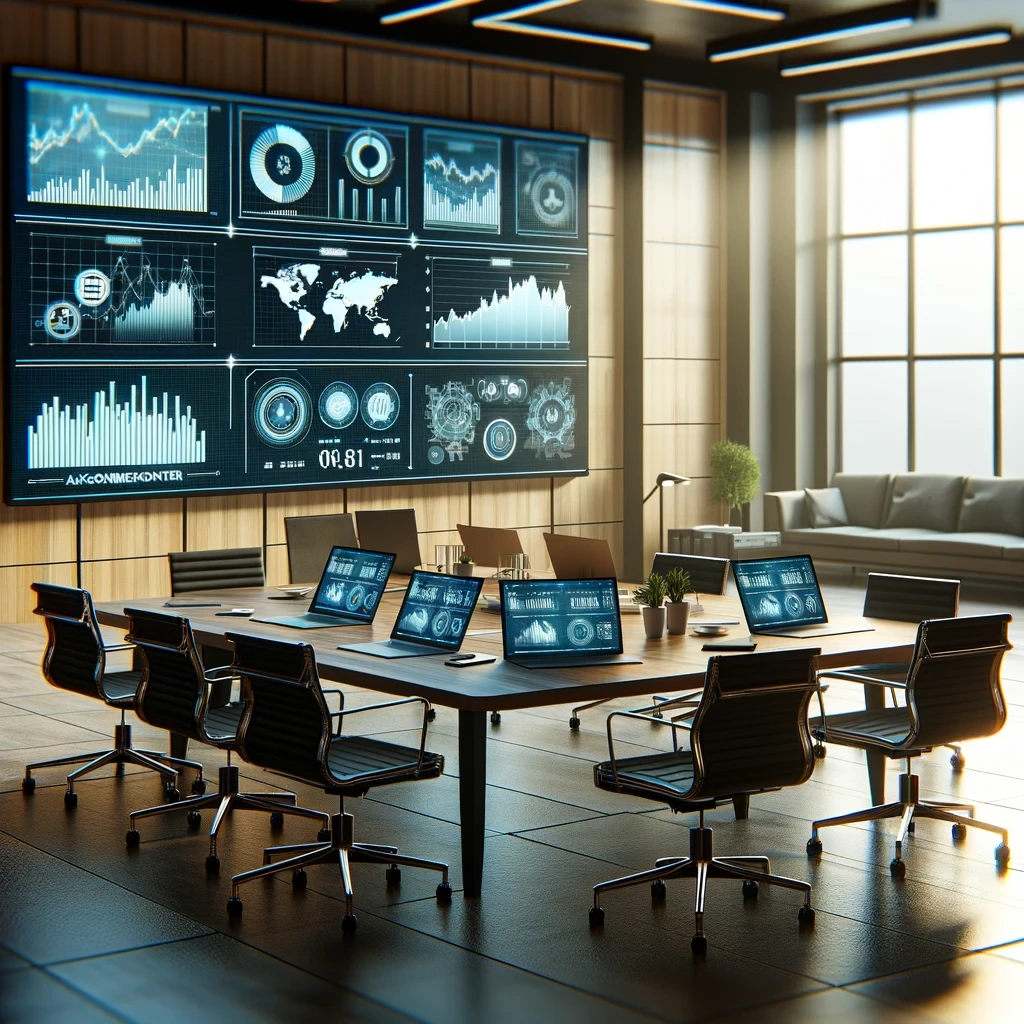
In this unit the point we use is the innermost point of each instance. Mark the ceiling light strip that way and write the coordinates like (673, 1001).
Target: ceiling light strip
(421, 10)
(526, 10)
(556, 32)
(796, 42)
(730, 7)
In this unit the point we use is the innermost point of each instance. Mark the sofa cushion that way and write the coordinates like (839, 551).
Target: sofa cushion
(966, 545)
(859, 537)
(863, 497)
(928, 501)
(1014, 552)
(992, 504)
(825, 507)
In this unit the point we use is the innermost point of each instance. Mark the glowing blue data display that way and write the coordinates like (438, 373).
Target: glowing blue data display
(461, 181)
(352, 583)
(560, 617)
(779, 592)
(437, 609)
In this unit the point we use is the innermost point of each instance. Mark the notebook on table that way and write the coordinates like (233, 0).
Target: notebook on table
(781, 597)
(432, 620)
(562, 623)
(348, 593)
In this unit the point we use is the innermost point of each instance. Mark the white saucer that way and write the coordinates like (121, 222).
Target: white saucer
(709, 630)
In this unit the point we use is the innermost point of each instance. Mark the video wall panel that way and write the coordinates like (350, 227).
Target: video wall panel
(207, 292)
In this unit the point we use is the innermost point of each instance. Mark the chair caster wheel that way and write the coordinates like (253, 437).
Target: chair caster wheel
(750, 889)
(805, 915)
(958, 762)
(1002, 855)
(299, 878)
(658, 891)
(699, 944)
(199, 787)
(574, 724)
(431, 715)
(132, 838)
(495, 718)
(444, 893)
(897, 868)
(28, 785)
(213, 865)
(819, 750)
(194, 819)
(596, 917)
(324, 835)
(277, 820)
(959, 832)
(70, 800)
(171, 795)
(393, 875)
(348, 924)
(656, 714)
(814, 847)
(234, 907)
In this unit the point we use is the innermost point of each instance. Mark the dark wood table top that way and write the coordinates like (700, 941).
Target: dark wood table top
(671, 664)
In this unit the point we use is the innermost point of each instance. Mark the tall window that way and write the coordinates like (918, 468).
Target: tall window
(928, 247)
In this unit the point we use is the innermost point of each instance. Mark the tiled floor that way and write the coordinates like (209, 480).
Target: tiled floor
(90, 930)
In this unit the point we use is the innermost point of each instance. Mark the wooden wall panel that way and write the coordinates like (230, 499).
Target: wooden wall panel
(512, 503)
(304, 69)
(408, 84)
(132, 47)
(23, 34)
(604, 321)
(682, 391)
(128, 529)
(16, 600)
(124, 579)
(218, 58)
(605, 410)
(505, 96)
(682, 448)
(299, 503)
(438, 506)
(584, 105)
(44, 533)
(276, 566)
(596, 498)
(225, 521)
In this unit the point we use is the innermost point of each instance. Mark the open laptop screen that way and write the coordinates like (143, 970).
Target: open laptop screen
(560, 617)
(777, 593)
(352, 583)
(437, 609)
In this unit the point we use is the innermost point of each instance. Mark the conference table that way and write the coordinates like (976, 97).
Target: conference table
(669, 665)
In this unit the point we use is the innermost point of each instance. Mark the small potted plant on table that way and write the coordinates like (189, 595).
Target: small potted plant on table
(677, 585)
(651, 595)
(464, 566)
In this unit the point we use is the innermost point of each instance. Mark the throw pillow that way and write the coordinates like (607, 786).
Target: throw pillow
(825, 507)
(931, 502)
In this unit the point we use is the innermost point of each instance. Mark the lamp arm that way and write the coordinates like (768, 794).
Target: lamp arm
(650, 494)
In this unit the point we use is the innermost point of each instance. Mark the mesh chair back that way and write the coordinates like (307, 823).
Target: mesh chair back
(707, 575)
(285, 725)
(750, 731)
(222, 569)
(310, 539)
(910, 598)
(173, 692)
(953, 689)
(74, 658)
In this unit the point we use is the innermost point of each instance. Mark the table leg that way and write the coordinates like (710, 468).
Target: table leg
(472, 795)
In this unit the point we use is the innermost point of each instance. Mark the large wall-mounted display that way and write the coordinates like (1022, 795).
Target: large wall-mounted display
(207, 292)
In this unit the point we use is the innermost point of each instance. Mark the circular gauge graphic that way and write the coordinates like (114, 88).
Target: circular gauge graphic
(62, 321)
(580, 632)
(354, 598)
(442, 620)
(92, 287)
(516, 390)
(553, 199)
(489, 390)
(435, 455)
(551, 416)
(370, 600)
(339, 405)
(794, 605)
(380, 406)
(500, 440)
(280, 412)
(369, 157)
(812, 604)
(282, 164)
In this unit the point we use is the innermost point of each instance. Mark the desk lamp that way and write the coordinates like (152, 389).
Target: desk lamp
(664, 480)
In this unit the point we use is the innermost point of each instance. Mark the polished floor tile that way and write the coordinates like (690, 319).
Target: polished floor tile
(36, 997)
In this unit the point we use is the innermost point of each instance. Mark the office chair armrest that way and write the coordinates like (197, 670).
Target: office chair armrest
(683, 700)
(858, 677)
(217, 673)
(898, 669)
(339, 715)
(340, 693)
(643, 718)
(110, 648)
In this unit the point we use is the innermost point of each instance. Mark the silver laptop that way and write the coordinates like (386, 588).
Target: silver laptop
(781, 597)
(432, 620)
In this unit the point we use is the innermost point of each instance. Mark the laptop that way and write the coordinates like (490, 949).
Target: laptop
(486, 544)
(432, 620)
(562, 623)
(391, 529)
(348, 593)
(579, 558)
(781, 597)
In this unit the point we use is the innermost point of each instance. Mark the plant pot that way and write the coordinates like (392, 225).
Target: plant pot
(654, 622)
(463, 568)
(676, 615)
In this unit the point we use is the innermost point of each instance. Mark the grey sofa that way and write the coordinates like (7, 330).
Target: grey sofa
(928, 523)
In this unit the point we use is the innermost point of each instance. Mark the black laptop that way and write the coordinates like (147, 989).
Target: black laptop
(432, 620)
(781, 597)
(348, 593)
(562, 623)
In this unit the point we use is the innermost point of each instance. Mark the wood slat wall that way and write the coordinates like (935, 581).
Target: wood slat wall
(123, 544)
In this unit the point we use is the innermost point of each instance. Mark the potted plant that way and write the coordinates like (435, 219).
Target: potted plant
(677, 585)
(735, 475)
(651, 595)
(464, 566)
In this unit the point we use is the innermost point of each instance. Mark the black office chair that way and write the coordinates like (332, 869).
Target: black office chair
(287, 728)
(749, 735)
(953, 693)
(174, 695)
(75, 659)
(310, 539)
(222, 569)
(901, 599)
